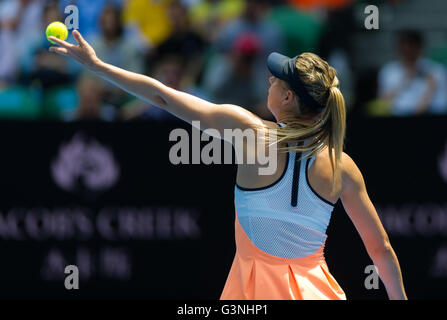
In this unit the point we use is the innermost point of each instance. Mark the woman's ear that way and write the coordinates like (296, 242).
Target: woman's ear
(288, 96)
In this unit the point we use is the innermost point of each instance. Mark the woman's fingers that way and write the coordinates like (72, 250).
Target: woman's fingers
(82, 52)
(62, 43)
(79, 39)
(62, 51)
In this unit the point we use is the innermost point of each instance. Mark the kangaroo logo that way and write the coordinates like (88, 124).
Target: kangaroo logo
(84, 164)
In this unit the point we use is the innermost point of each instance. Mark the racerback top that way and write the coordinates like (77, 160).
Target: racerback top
(287, 219)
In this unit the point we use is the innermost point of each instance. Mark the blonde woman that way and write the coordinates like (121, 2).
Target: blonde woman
(281, 218)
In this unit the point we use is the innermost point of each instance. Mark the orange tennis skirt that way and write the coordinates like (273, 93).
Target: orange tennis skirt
(257, 275)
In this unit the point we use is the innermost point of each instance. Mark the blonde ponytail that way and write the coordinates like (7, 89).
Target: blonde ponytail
(337, 110)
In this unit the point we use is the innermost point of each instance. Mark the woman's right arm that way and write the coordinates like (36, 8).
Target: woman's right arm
(181, 104)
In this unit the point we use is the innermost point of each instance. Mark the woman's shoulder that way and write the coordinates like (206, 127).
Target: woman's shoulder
(350, 173)
(348, 168)
(346, 160)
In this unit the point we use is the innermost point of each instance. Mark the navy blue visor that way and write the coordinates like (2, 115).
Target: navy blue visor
(284, 68)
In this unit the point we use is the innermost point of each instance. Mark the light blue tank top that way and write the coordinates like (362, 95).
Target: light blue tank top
(282, 220)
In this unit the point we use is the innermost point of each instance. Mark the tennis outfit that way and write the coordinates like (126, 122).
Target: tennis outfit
(280, 236)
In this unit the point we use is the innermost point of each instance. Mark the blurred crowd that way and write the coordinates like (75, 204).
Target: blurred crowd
(412, 85)
(214, 49)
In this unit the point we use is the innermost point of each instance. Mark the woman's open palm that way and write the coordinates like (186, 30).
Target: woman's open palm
(82, 52)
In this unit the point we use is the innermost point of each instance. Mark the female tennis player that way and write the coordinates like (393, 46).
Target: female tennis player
(280, 218)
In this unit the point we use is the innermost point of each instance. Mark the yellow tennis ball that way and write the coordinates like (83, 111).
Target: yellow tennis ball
(58, 30)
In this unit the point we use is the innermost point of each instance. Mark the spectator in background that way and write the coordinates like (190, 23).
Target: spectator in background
(52, 76)
(91, 106)
(315, 4)
(183, 41)
(239, 87)
(413, 85)
(301, 31)
(89, 14)
(254, 21)
(150, 17)
(39, 65)
(209, 16)
(114, 48)
(17, 19)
